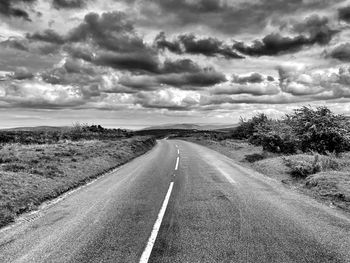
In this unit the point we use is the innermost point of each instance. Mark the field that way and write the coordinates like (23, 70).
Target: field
(324, 177)
(33, 173)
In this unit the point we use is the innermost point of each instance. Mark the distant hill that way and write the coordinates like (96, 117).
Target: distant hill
(189, 126)
(37, 128)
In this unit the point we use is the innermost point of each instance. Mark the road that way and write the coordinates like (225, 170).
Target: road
(194, 203)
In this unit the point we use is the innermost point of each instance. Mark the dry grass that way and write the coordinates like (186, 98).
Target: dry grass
(31, 174)
(331, 186)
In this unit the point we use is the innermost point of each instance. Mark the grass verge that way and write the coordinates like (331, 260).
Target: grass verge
(326, 178)
(32, 174)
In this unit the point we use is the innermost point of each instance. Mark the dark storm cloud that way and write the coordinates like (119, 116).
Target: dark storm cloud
(134, 62)
(341, 52)
(48, 35)
(205, 78)
(185, 77)
(253, 78)
(224, 16)
(69, 4)
(110, 31)
(10, 8)
(190, 44)
(106, 40)
(344, 13)
(313, 30)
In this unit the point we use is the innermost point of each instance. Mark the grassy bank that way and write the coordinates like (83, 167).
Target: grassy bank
(32, 174)
(326, 178)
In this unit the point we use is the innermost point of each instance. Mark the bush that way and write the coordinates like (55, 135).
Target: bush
(247, 128)
(275, 136)
(306, 130)
(302, 168)
(320, 130)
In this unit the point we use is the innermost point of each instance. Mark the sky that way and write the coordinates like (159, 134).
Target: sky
(137, 63)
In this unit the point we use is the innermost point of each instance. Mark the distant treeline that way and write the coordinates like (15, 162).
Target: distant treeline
(74, 133)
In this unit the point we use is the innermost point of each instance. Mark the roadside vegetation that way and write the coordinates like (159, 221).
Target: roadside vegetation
(308, 149)
(36, 166)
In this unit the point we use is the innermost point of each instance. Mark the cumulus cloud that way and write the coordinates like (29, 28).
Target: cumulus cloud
(170, 99)
(344, 13)
(15, 43)
(48, 35)
(118, 59)
(252, 78)
(253, 89)
(325, 84)
(22, 73)
(229, 17)
(37, 94)
(341, 52)
(190, 44)
(69, 4)
(185, 80)
(316, 29)
(15, 8)
(134, 62)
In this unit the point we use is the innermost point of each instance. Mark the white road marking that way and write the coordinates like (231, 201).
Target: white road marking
(177, 163)
(227, 176)
(176, 146)
(178, 151)
(152, 239)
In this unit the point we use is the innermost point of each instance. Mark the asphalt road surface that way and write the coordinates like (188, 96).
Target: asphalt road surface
(181, 202)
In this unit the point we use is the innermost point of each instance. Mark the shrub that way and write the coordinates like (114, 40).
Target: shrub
(320, 130)
(247, 128)
(275, 136)
(306, 130)
(302, 168)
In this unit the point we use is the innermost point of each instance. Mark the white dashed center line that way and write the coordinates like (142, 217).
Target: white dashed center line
(152, 239)
(177, 163)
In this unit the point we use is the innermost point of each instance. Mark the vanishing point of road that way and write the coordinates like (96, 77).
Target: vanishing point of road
(180, 202)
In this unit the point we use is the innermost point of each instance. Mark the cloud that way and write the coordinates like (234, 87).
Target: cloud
(252, 89)
(316, 28)
(69, 4)
(344, 13)
(252, 78)
(170, 99)
(180, 66)
(190, 44)
(184, 80)
(341, 52)
(227, 17)
(22, 73)
(9, 8)
(111, 31)
(205, 78)
(134, 62)
(332, 83)
(48, 35)
(15, 43)
(37, 94)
